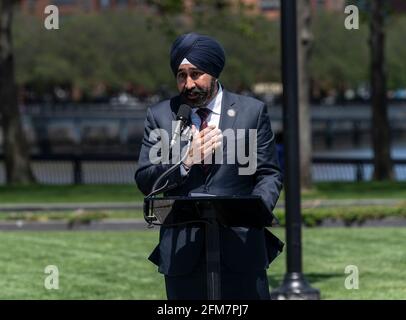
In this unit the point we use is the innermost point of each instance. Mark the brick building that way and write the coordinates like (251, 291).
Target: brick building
(270, 8)
(75, 6)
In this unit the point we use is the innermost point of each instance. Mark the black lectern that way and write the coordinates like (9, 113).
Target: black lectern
(232, 211)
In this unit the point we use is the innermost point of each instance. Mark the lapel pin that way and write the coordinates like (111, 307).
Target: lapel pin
(231, 112)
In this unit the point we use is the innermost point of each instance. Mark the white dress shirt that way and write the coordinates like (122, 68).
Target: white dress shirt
(212, 119)
(215, 107)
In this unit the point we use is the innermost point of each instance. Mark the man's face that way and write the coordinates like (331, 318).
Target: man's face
(195, 86)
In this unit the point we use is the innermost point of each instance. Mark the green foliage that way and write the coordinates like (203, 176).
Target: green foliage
(395, 28)
(252, 46)
(85, 217)
(340, 56)
(121, 48)
(72, 217)
(167, 6)
(350, 216)
(115, 49)
(356, 191)
(396, 52)
(311, 217)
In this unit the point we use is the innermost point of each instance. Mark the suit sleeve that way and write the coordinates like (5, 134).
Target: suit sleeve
(268, 178)
(147, 172)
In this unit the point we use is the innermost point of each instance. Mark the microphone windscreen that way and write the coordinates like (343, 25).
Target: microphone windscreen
(184, 112)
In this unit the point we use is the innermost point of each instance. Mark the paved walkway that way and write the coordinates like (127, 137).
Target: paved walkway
(32, 207)
(140, 224)
(58, 225)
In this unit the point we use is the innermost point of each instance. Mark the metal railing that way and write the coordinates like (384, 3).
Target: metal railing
(71, 127)
(351, 169)
(120, 169)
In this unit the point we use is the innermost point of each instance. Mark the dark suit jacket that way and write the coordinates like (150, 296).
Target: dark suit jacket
(242, 249)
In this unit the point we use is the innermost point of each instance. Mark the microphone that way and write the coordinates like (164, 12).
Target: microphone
(183, 119)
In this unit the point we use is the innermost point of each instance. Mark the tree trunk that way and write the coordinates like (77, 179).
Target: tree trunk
(305, 39)
(380, 123)
(14, 145)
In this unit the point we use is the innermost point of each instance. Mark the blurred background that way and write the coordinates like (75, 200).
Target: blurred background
(84, 89)
(72, 106)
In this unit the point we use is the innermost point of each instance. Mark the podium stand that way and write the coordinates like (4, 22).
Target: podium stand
(231, 211)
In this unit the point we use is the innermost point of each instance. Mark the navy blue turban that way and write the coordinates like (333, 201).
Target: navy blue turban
(202, 51)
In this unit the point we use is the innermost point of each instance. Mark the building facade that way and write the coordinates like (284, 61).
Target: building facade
(78, 6)
(269, 8)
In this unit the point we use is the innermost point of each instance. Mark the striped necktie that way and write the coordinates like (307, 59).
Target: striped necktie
(203, 113)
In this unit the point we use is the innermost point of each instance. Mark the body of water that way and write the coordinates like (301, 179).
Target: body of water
(122, 172)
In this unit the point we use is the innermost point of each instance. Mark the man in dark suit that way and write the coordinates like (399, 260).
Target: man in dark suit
(197, 61)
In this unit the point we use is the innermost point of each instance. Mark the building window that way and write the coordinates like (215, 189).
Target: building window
(104, 4)
(87, 5)
(63, 2)
(122, 3)
(31, 5)
(270, 4)
(320, 4)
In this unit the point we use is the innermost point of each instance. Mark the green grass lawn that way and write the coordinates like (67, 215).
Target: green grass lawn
(69, 193)
(124, 193)
(114, 265)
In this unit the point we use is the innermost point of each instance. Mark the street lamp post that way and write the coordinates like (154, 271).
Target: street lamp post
(294, 285)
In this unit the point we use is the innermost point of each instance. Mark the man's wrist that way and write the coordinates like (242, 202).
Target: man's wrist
(185, 166)
(184, 170)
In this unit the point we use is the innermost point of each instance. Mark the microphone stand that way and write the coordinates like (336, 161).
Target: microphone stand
(164, 188)
(149, 216)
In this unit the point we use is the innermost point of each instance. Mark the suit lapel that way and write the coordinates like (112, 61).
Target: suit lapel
(175, 104)
(228, 115)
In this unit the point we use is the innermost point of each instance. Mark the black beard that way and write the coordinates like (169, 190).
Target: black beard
(203, 96)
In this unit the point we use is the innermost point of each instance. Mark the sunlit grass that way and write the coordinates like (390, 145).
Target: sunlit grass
(130, 193)
(114, 265)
